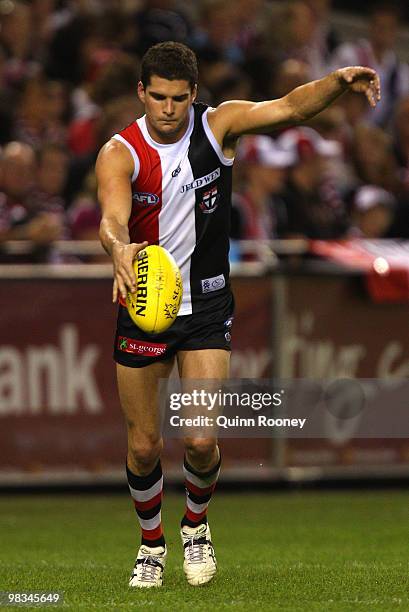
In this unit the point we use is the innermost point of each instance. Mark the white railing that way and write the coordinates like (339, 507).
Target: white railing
(264, 248)
(259, 256)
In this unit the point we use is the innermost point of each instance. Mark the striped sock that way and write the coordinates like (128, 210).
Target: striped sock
(146, 493)
(199, 488)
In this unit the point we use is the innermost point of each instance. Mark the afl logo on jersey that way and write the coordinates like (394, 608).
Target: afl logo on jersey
(210, 201)
(145, 199)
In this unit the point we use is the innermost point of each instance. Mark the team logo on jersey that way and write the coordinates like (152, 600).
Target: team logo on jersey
(210, 201)
(145, 199)
(202, 181)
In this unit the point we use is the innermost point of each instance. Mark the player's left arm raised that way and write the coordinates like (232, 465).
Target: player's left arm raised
(232, 119)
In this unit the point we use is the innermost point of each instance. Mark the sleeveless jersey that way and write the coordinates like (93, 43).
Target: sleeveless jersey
(181, 200)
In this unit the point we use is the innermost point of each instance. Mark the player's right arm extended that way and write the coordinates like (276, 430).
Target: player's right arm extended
(233, 118)
(114, 169)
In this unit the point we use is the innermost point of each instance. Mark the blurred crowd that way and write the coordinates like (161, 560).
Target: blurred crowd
(69, 72)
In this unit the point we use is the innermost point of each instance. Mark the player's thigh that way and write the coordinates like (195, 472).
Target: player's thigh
(204, 364)
(138, 392)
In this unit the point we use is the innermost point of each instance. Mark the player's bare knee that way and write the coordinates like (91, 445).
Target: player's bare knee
(201, 451)
(143, 453)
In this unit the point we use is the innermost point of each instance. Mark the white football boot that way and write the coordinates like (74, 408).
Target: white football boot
(149, 566)
(200, 562)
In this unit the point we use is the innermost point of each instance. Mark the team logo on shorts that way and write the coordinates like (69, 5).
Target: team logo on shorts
(147, 349)
(145, 199)
(228, 325)
(210, 201)
(229, 322)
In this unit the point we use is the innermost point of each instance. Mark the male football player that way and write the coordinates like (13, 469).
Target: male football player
(166, 179)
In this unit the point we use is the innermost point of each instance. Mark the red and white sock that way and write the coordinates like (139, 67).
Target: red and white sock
(199, 488)
(146, 493)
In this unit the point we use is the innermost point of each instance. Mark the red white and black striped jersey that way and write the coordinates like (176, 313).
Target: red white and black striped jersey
(181, 200)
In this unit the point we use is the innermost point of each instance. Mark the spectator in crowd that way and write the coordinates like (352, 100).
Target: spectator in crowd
(17, 179)
(379, 53)
(116, 77)
(84, 212)
(113, 117)
(214, 70)
(401, 141)
(161, 20)
(249, 15)
(326, 39)
(30, 116)
(219, 29)
(42, 12)
(236, 87)
(373, 212)
(16, 39)
(332, 126)
(330, 123)
(253, 38)
(373, 159)
(400, 227)
(40, 113)
(296, 38)
(290, 73)
(258, 211)
(82, 35)
(18, 220)
(7, 102)
(52, 162)
(313, 204)
(355, 112)
(58, 107)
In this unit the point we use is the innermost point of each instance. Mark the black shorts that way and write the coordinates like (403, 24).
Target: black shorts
(208, 328)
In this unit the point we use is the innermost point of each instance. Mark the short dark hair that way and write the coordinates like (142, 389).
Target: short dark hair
(170, 60)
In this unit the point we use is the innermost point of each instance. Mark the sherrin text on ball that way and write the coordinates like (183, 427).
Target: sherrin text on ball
(155, 304)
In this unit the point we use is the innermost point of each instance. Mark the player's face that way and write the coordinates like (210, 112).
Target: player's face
(167, 105)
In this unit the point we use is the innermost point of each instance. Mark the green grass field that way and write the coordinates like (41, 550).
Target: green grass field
(294, 551)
